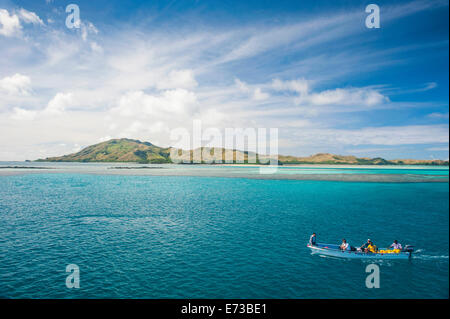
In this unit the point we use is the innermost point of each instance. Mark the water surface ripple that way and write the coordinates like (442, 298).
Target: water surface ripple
(195, 237)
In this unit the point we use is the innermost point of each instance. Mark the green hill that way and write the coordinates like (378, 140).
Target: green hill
(135, 151)
(118, 150)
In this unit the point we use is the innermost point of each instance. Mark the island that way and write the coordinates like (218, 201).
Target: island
(125, 150)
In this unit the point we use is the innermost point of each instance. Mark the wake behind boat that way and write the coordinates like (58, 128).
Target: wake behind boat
(335, 251)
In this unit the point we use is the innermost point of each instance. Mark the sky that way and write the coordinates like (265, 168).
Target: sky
(311, 69)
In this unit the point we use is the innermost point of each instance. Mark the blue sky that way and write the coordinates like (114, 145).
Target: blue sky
(140, 69)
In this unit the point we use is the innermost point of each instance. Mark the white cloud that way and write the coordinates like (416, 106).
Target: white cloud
(22, 114)
(30, 17)
(366, 97)
(9, 24)
(95, 47)
(438, 115)
(387, 135)
(243, 87)
(178, 79)
(300, 86)
(255, 93)
(104, 138)
(59, 103)
(131, 131)
(430, 86)
(16, 84)
(336, 97)
(86, 29)
(143, 82)
(143, 129)
(369, 150)
(56, 106)
(76, 148)
(303, 34)
(258, 95)
(171, 103)
(158, 127)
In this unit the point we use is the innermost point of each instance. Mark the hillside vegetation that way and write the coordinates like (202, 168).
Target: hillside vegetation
(128, 150)
(118, 150)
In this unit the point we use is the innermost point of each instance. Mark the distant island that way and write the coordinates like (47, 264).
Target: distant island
(126, 150)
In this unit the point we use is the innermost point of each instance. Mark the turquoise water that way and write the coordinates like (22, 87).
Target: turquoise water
(317, 170)
(209, 237)
(438, 171)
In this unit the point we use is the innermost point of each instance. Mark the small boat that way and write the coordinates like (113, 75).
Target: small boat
(334, 251)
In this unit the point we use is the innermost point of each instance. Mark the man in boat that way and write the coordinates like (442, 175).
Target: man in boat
(364, 246)
(396, 245)
(344, 245)
(312, 239)
(371, 248)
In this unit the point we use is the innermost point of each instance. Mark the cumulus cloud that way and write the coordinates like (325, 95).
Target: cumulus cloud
(18, 84)
(178, 79)
(59, 103)
(104, 138)
(255, 93)
(141, 130)
(131, 131)
(22, 114)
(9, 24)
(170, 102)
(30, 17)
(56, 106)
(138, 83)
(158, 127)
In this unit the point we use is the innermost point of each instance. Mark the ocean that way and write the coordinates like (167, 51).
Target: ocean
(136, 234)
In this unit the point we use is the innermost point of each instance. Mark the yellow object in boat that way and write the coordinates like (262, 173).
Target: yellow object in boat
(372, 248)
(389, 251)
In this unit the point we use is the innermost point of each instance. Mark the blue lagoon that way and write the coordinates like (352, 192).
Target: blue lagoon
(137, 233)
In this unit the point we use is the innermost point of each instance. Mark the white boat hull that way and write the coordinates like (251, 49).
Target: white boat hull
(330, 250)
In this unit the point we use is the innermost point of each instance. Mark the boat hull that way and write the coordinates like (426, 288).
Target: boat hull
(334, 251)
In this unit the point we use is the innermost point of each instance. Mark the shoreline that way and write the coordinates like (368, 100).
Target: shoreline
(410, 166)
(305, 165)
(363, 178)
(304, 172)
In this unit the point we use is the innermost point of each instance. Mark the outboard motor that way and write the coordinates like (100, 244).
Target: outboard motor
(409, 249)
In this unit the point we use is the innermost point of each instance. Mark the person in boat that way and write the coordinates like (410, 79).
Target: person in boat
(396, 245)
(371, 248)
(344, 245)
(312, 239)
(365, 245)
